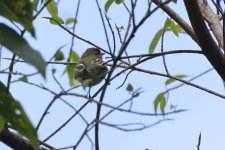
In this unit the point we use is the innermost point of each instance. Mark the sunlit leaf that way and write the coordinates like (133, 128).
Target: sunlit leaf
(119, 1)
(52, 8)
(23, 79)
(169, 81)
(130, 88)
(179, 28)
(155, 41)
(158, 100)
(167, 23)
(74, 57)
(174, 28)
(18, 45)
(70, 71)
(11, 111)
(108, 4)
(20, 11)
(71, 20)
(56, 19)
(162, 105)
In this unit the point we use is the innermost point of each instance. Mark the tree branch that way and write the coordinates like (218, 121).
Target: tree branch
(15, 141)
(212, 19)
(206, 42)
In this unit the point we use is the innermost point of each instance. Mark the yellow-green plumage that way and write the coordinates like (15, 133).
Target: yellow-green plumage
(91, 70)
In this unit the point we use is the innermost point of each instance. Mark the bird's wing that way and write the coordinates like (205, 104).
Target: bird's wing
(80, 69)
(99, 63)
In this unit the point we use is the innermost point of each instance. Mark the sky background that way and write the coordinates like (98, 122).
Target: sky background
(204, 110)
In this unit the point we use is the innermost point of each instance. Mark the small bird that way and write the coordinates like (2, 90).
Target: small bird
(91, 69)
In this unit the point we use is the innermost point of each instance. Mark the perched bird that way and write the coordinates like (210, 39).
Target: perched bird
(91, 69)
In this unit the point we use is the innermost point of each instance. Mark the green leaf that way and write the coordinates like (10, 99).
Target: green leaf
(57, 19)
(20, 11)
(52, 8)
(130, 88)
(70, 71)
(2, 123)
(155, 41)
(158, 100)
(174, 28)
(119, 1)
(108, 4)
(11, 111)
(179, 28)
(163, 105)
(74, 57)
(167, 23)
(169, 81)
(59, 55)
(23, 79)
(71, 20)
(66, 69)
(18, 45)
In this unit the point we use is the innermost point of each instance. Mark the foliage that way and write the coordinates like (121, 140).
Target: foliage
(53, 10)
(169, 25)
(11, 111)
(110, 2)
(73, 57)
(20, 11)
(121, 62)
(18, 45)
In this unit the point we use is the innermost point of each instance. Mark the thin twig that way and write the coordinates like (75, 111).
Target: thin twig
(10, 70)
(113, 35)
(192, 79)
(74, 28)
(199, 141)
(104, 27)
(68, 120)
(164, 53)
(125, 79)
(134, 129)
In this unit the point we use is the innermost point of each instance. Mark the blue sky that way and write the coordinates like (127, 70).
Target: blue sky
(204, 110)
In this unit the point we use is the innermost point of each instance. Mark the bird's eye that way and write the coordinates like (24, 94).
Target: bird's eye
(97, 53)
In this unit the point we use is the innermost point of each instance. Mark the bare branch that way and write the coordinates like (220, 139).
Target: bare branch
(212, 19)
(206, 42)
